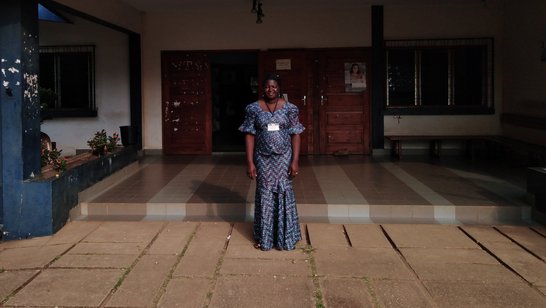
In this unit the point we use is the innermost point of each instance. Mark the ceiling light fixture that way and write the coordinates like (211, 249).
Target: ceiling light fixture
(257, 9)
(254, 9)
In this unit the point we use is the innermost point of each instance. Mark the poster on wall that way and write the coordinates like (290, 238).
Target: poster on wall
(355, 77)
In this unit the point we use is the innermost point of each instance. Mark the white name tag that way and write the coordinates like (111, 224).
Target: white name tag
(272, 127)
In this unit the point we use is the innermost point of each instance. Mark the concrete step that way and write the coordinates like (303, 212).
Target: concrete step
(337, 213)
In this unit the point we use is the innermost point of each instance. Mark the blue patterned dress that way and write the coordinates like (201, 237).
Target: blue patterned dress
(275, 215)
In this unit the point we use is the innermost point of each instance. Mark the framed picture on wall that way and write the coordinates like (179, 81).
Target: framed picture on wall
(355, 76)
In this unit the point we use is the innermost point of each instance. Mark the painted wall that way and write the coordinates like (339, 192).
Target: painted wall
(113, 11)
(525, 77)
(299, 24)
(323, 25)
(111, 77)
(466, 20)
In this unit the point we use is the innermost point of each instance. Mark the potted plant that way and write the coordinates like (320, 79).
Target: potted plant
(101, 143)
(53, 157)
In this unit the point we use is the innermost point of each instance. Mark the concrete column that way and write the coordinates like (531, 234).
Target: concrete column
(19, 109)
(378, 77)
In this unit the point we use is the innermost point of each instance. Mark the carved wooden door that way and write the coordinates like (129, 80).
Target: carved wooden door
(343, 103)
(186, 102)
(291, 66)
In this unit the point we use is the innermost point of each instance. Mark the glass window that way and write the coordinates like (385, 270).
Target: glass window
(440, 76)
(67, 81)
(469, 73)
(434, 77)
(401, 77)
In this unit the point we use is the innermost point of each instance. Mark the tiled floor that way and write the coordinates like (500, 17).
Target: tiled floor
(335, 189)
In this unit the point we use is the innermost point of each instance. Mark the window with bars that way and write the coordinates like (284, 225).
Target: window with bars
(451, 76)
(67, 81)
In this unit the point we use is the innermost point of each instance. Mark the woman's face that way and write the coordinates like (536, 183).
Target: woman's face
(354, 68)
(271, 89)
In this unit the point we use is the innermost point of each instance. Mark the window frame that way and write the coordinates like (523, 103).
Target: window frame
(90, 109)
(450, 45)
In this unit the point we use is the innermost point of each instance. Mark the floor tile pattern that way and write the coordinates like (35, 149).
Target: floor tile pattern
(329, 188)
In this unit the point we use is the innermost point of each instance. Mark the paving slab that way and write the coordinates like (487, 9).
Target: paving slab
(367, 236)
(74, 232)
(94, 261)
(197, 266)
(531, 268)
(11, 280)
(449, 255)
(327, 235)
(216, 230)
(401, 293)
(428, 236)
(540, 229)
(511, 256)
(209, 239)
(242, 233)
(528, 238)
(248, 251)
(484, 273)
(533, 272)
(200, 247)
(108, 248)
(143, 283)
(263, 291)
(173, 238)
(346, 292)
(125, 232)
(456, 294)
(266, 267)
(489, 237)
(353, 262)
(186, 292)
(31, 257)
(366, 255)
(31, 242)
(67, 287)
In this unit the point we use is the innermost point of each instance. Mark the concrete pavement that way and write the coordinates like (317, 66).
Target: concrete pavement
(213, 264)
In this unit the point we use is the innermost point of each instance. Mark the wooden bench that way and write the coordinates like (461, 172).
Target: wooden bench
(435, 142)
(495, 146)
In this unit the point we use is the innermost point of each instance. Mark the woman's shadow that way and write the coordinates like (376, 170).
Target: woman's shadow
(220, 201)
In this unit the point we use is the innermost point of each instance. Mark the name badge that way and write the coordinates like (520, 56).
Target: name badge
(272, 127)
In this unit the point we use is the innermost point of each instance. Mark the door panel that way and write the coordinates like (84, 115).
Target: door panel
(344, 115)
(336, 119)
(344, 118)
(291, 66)
(186, 103)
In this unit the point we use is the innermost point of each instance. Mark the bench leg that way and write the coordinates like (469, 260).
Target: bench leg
(395, 149)
(435, 148)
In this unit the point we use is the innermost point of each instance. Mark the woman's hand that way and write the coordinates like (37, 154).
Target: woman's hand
(293, 171)
(251, 171)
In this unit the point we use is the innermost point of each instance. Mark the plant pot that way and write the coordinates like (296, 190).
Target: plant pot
(129, 135)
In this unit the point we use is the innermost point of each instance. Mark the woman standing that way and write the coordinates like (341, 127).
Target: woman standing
(272, 140)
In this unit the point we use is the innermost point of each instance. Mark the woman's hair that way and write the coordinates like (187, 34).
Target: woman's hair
(271, 76)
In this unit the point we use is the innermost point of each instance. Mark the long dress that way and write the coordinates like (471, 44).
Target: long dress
(275, 214)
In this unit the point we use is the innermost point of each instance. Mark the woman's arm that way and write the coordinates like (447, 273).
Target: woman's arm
(251, 168)
(294, 166)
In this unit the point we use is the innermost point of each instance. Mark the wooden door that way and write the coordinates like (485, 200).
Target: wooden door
(291, 66)
(344, 109)
(186, 102)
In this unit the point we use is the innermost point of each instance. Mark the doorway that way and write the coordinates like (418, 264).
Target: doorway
(234, 85)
